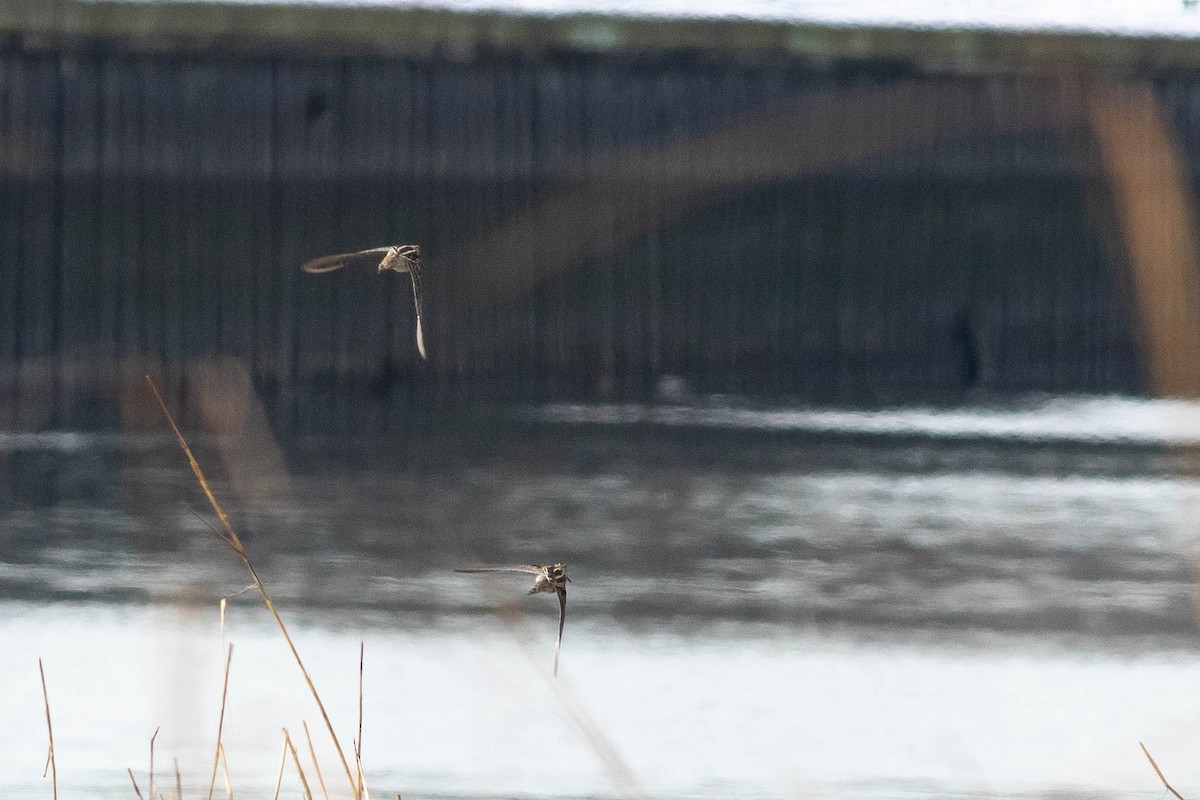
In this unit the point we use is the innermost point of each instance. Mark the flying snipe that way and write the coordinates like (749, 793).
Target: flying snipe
(550, 578)
(397, 257)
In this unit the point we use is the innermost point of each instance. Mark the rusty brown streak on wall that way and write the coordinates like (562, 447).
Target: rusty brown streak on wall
(632, 192)
(1156, 213)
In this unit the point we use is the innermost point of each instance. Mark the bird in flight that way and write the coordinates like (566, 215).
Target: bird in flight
(397, 257)
(551, 578)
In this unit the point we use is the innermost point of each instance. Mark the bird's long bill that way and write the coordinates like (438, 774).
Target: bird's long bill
(414, 272)
(562, 618)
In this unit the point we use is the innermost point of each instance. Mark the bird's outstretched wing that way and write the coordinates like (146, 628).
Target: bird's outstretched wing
(369, 258)
(530, 568)
(561, 590)
(399, 258)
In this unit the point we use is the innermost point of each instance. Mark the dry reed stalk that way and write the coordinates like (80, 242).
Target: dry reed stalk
(282, 764)
(220, 722)
(287, 738)
(1158, 772)
(358, 741)
(178, 782)
(225, 771)
(576, 712)
(136, 790)
(316, 764)
(152, 738)
(51, 765)
(234, 541)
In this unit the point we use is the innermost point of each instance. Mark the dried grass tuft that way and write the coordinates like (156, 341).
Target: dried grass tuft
(230, 537)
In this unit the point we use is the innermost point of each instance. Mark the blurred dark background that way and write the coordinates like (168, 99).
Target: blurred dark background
(625, 221)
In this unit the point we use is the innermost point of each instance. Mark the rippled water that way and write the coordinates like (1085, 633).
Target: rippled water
(987, 602)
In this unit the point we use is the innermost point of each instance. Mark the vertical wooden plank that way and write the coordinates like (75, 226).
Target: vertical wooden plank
(308, 118)
(162, 245)
(513, 176)
(231, 162)
(376, 322)
(192, 190)
(81, 275)
(28, 179)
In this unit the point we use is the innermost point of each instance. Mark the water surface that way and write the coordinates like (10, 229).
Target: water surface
(766, 603)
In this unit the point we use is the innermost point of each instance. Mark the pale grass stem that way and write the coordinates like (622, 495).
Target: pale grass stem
(136, 790)
(220, 722)
(235, 542)
(1159, 772)
(225, 772)
(50, 762)
(282, 763)
(287, 738)
(178, 782)
(152, 738)
(358, 742)
(576, 711)
(316, 764)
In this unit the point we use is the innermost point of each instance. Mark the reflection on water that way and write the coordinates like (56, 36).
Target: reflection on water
(765, 603)
(1107, 420)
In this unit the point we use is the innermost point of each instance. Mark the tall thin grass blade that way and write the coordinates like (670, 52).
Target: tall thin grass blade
(287, 738)
(358, 742)
(50, 762)
(220, 722)
(316, 764)
(576, 712)
(282, 763)
(225, 772)
(136, 790)
(1159, 772)
(235, 542)
(152, 738)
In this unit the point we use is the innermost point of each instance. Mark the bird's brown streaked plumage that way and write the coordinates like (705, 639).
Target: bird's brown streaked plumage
(396, 257)
(547, 578)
